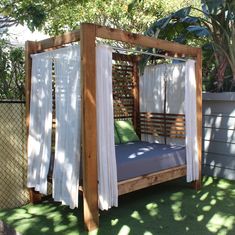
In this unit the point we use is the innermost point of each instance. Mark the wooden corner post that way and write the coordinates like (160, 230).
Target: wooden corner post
(30, 48)
(89, 139)
(198, 183)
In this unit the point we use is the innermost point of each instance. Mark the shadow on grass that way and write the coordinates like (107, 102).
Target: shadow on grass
(169, 208)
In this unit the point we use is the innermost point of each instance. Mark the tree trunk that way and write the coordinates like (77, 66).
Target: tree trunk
(220, 73)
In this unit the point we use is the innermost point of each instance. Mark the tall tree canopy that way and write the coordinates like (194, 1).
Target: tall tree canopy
(56, 16)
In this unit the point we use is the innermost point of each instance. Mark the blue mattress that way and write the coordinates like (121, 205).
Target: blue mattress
(141, 158)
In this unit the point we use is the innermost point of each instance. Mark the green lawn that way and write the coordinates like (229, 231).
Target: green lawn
(170, 208)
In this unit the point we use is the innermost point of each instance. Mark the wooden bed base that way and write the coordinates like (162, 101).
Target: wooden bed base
(140, 182)
(133, 184)
(87, 36)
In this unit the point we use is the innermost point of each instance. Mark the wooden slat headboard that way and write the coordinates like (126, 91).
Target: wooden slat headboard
(160, 124)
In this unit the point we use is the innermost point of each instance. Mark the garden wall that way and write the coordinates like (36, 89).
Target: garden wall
(219, 134)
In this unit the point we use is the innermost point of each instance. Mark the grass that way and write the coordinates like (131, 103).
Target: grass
(170, 208)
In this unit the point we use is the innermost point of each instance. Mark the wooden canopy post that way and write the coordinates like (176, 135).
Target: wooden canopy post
(30, 48)
(198, 183)
(89, 139)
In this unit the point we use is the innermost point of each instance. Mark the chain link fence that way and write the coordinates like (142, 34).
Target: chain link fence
(13, 161)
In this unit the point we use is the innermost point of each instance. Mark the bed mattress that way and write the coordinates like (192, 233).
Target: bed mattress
(141, 158)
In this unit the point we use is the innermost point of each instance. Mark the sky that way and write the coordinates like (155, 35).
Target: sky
(19, 34)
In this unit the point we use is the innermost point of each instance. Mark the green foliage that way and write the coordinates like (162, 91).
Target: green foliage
(214, 28)
(34, 13)
(11, 71)
(104, 12)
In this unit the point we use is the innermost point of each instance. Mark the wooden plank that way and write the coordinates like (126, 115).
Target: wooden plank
(144, 41)
(146, 123)
(30, 48)
(149, 114)
(140, 182)
(162, 135)
(198, 183)
(162, 119)
(58, 41)
(89, 138)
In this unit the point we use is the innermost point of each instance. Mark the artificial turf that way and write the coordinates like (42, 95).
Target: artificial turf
(171, 208)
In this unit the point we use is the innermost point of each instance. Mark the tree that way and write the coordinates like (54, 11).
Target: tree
(215, 28)
(11, 71)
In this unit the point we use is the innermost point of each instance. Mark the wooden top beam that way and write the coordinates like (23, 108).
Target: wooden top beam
(118, 35)
(145, 41)
(58, 41)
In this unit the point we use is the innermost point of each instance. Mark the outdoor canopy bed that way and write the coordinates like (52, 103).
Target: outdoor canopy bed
(97, 91)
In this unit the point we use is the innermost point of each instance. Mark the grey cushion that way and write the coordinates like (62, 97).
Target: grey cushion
(140, 158)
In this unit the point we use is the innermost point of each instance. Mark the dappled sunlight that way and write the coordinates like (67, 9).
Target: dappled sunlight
(200, 218)
(169, 208)
(220, 223)
(125, 230)
(206, 208)
(137, 216)
(207, 181)
(152, 208)
(114, 222)
(148, 233)
(204, 196)
(176, 196)
(223, 184)
(176, 208)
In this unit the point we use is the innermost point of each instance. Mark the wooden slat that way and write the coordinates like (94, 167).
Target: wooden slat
(151, 179)
(90, 176)
(169, 114)
(161, 128)
(30, 48)
(168, 125)
(161, 121)
(163, 135)
(144, 41)
(162, 131)
(171, 127)
(144, 122)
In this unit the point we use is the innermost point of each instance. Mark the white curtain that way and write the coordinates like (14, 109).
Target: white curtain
(107, 172)
(191, 122)
(152, 84)
(39, 140)
(68, 126)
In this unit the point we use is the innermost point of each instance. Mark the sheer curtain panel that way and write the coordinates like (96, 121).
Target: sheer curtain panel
(39, 140)
(191, 122)
(107, 169)
(68, 125)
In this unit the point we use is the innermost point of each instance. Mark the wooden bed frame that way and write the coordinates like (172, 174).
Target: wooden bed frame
(87, 36)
